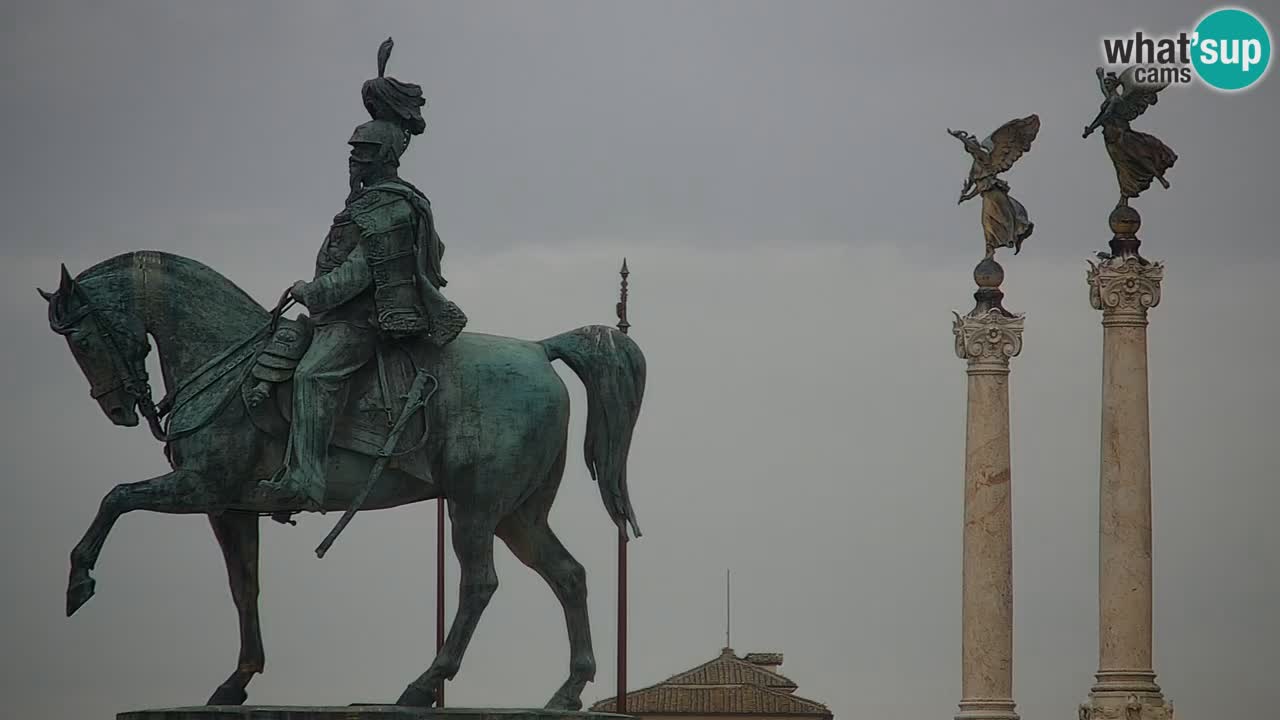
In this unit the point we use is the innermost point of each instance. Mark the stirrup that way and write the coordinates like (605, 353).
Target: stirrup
(284, 517)
(286, 492)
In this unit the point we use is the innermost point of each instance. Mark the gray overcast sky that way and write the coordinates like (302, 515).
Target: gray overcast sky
(779, 176)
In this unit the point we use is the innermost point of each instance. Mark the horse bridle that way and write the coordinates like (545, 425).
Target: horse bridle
(132, 376)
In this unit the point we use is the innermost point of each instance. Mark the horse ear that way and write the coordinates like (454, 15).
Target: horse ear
(67, 284)
(44, 294)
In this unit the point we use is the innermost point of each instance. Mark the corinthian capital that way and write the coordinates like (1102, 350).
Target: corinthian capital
(1124, 289)
(988, 339)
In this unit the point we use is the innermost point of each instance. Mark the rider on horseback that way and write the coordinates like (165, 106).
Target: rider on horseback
(377, 276)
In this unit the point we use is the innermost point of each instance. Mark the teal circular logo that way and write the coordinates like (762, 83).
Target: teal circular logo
(1231, 49)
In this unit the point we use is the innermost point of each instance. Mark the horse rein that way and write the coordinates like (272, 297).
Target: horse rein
(172, 402)
(136, 382)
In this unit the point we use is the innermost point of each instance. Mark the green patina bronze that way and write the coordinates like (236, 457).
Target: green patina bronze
(373, 400)
(358, 712)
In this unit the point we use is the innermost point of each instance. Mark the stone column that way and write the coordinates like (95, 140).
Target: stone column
(1124, 286)
(987, 338)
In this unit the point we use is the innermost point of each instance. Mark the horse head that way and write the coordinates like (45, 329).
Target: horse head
(109, 345)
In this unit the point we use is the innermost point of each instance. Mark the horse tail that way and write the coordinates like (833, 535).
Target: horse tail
(612, 368)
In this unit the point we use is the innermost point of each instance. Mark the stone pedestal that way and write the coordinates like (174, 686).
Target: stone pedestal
(988, 337)
(1124, 287)
(357, 712)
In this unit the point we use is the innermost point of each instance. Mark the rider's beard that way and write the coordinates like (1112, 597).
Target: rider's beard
(356, 181)
(362, 175)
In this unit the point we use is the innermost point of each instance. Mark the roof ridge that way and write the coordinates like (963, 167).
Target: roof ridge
(769, 678)
(721, 656)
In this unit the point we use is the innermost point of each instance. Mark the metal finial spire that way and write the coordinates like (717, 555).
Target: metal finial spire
(623, 325)
(620, 704)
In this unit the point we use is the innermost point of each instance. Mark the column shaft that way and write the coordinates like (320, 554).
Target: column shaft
(987, 338)
(1124, 508)
(1124, 288)
(987, 645)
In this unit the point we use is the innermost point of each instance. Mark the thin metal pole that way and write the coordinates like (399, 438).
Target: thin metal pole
(440, 588)
(728, 600)
(622, 623)
(621, 708)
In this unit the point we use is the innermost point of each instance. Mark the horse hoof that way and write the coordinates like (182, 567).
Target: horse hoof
(415, 696)
(78, 593)
(228, 696)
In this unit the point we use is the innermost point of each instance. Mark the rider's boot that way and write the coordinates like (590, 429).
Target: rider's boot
(290, 489)
(300, 483)
(336, 353)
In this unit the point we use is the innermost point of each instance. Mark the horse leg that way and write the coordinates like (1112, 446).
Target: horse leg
(473, 544)
(180, 491)
(237, 534)
(531, 540)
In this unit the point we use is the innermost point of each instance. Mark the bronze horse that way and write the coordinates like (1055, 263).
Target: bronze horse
(496, 451)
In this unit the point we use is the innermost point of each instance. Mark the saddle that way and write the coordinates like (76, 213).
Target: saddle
(376, 396)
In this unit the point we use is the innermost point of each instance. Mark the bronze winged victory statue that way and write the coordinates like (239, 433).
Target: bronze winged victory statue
(1004, 219)
(1138, 157)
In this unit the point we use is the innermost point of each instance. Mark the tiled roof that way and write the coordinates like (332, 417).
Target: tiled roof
(726, 685)
(705, 700)
(729, 669)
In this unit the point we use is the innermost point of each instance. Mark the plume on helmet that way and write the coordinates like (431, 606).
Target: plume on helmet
(387, 98)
